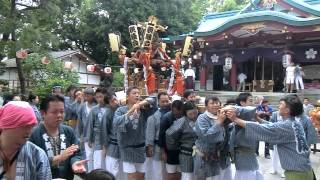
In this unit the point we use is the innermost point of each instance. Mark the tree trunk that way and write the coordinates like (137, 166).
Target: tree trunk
(14, 49)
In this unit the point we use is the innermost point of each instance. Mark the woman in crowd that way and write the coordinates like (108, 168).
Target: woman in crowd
(182, 136)
(34, 101)
(213, 135)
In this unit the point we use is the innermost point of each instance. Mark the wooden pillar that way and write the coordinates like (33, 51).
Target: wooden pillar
(203, 79)
(233, 77)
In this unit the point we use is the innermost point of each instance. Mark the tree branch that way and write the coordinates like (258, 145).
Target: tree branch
(27, 8)
(24, 5)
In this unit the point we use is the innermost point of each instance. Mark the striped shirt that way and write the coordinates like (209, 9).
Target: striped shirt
(290, 139)
(309, 129)
(152, 132)
(182, 136)
(242, 147)
(109, 134)
(210, 138)
(95, 128)
(209, 133)
(32, 163)
(83, 121)
(36, 112)
(131, 132)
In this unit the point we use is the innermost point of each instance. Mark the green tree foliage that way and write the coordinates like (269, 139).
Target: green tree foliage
(118, 79)
(29, 24)
(43, 77)
(51, 25)
(87, 27)
(225, 5)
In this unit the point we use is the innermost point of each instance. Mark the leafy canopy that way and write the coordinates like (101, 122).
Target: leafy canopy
(43, 77)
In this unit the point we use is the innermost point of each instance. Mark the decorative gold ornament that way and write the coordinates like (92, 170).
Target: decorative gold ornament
(253, 26)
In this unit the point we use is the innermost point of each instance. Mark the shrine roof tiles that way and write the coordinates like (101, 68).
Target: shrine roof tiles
(218, 22)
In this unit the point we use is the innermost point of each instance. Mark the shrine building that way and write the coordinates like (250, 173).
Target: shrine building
(259, 41)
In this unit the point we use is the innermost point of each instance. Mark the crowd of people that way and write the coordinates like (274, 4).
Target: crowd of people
(92, 133)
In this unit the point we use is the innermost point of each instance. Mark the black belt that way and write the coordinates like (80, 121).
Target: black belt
(113, 141)
(186, 151)
(156, 142)
(136, 146)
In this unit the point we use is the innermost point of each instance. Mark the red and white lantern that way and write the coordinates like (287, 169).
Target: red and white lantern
(45, 60)
(136, 70)
(68, 65)
(122, 71)
(91, 68)
(22, 54)
(108, 70)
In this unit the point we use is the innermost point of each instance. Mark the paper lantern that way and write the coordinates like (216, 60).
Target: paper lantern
(68, 65)
(187, 44)
(195, 56)
(228, 62)
(114, 41)
(122, 71)
(108, 70)
(91, 68)
(163, 46)
(286, 59)
(136, 70)
(45, 60)
(22, 54)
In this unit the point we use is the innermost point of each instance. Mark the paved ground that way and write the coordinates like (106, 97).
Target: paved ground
(265, 165)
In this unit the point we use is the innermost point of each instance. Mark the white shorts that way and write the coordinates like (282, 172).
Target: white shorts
(290, 80)
(113, 165)
(157, 170)
(172, 168)
(134, 167)
(89, 156)
(218, 177)
(98, 160)
(226, 174)
(248, 175)
(187, 176)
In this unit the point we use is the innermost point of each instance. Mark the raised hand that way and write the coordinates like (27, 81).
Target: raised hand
(221, 116)
(68, 152)
(231, 113)
(79, 166)
(150, 151)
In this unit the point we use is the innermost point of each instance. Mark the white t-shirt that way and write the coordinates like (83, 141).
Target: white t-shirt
(189, 72)
(290, 71)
